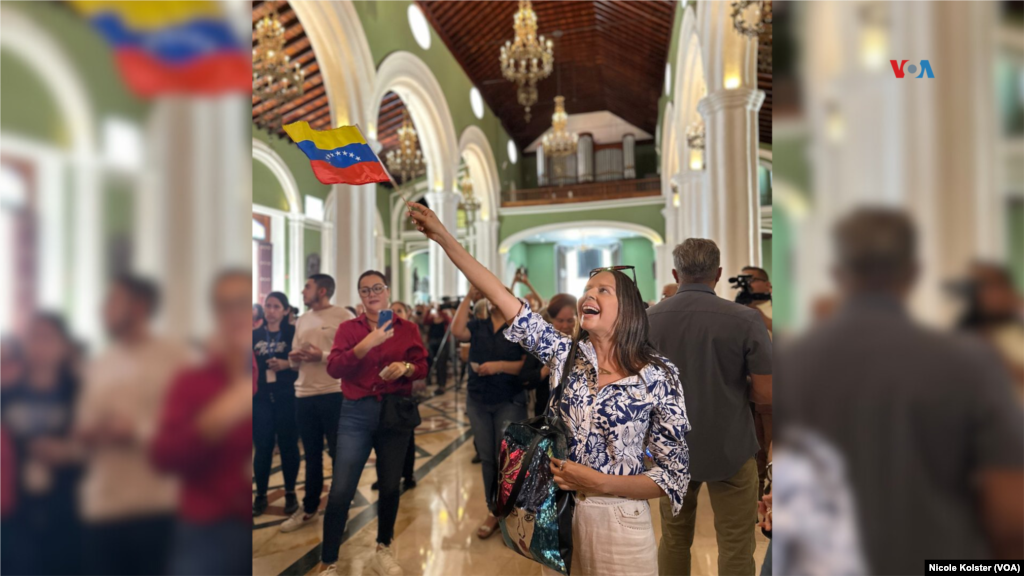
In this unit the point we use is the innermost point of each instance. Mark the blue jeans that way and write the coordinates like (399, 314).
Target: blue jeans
(358, 432)
(224, 547)
(488, 422)
(766, 567)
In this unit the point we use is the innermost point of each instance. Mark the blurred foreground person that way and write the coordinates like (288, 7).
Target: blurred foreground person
(926, 423)
(38, 414)
(205, 437)
(127, 504)
(994, 312)
(273, 406)
(716, 344)
(317, 394)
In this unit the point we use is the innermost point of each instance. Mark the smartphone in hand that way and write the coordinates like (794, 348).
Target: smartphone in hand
(385, 317)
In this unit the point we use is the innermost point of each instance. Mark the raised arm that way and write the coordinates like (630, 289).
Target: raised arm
(489, 284)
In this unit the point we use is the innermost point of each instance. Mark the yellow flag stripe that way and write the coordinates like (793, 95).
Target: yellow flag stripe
(327, 139)
(150, 15)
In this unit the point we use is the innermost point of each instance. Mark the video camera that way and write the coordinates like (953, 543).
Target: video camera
(745, 297)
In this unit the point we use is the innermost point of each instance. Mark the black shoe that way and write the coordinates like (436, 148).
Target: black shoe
(259, 506)
(476, 459)
(409, 483)
(375, 486)
(291, 503)
(438, 391)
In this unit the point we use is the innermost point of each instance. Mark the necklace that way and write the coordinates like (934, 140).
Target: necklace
(604, 372)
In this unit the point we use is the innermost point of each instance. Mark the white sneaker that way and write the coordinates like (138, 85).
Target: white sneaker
(331, 570)
(384, 563)
(296, 521)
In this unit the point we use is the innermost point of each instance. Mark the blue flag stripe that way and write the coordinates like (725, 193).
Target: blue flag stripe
(339, 157)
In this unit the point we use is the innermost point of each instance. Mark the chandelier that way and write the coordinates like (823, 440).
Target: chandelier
(274, 76)
(750, 16)
(695, 141)
(407, 160)
(528, 58)
(469, 204)
(559, 142)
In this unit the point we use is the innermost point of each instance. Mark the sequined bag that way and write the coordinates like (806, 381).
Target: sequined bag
(535, 516)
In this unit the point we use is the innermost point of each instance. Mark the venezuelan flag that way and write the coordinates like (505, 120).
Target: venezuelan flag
(172, 47)
(338, 156)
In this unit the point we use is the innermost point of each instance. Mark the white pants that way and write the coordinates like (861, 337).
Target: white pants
(612, 537)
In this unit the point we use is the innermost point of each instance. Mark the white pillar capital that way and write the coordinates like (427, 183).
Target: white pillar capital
(745, 98)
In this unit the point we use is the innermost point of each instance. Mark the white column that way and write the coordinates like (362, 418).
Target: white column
(585, 158)
(542, 177)
(196, 188)
(443, 274)
(354, 213)
(730, 118)
(487, 243)
(296, 257)
(629, 156)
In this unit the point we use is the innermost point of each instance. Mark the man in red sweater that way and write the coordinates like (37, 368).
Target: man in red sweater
(374, 363)
(205, 437)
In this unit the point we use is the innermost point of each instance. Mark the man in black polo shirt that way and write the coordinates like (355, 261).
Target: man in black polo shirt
(716, 344)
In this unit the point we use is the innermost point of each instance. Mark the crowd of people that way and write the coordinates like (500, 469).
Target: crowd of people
(133, 460)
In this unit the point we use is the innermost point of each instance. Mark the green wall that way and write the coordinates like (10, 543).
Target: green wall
(266, 190)
(649, 216)
(27, 107)
(639, 252)
(386, 25)
(540, 260)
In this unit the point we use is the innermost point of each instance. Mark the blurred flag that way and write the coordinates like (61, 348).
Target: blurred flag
(172, 47)
(338, 156)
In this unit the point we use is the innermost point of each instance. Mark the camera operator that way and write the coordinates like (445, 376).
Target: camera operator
(755, 291)
(716, 344)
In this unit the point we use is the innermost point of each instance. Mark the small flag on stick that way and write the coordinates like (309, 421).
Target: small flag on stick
(338, 156)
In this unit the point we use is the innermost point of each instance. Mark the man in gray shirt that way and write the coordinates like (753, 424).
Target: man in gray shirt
(716, 344)
(926, 422)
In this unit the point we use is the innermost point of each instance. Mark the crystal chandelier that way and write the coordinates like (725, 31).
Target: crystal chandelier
(469, 204)
(559, 142)
(274, 76)
(407, 160)
(750, 16)
(528, 58)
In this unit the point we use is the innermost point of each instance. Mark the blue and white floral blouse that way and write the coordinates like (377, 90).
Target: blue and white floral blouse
(610, 431)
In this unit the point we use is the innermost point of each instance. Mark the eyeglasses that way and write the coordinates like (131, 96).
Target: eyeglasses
(376, 289)
(597, 271)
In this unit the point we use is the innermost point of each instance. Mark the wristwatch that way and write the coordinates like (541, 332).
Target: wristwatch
(409, 369)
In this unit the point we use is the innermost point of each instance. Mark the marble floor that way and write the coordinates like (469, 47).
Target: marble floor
(437, 520)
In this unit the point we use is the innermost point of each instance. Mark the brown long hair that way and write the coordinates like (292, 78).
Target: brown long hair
(630, 332)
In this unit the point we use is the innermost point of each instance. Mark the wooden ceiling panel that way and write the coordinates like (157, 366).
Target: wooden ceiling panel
(609, 55)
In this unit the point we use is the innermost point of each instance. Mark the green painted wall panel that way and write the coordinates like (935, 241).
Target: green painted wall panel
(639, 252)
(28, 108)
(266, 190)
(540, 261)
(649, 216)
(766, 256)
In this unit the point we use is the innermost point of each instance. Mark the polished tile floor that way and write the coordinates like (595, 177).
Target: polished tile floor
(437, 521)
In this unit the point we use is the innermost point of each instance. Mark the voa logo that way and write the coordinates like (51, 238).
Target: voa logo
(898, 69)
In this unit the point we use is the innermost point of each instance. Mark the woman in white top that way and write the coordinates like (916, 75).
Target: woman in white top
(621, 400)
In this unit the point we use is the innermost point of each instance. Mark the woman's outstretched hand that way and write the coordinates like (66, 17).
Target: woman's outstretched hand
(426, 221)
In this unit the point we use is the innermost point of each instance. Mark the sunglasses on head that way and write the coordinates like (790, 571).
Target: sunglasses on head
(632, 270)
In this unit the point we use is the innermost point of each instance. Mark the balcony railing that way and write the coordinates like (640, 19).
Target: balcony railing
(591, 191)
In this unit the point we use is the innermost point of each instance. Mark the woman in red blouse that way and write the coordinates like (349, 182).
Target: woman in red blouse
(373, 362)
